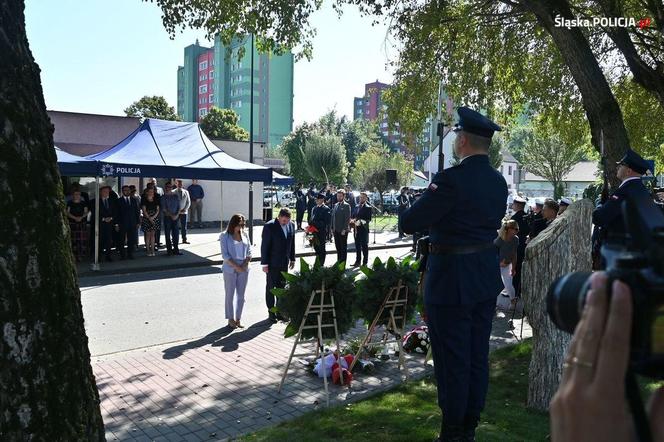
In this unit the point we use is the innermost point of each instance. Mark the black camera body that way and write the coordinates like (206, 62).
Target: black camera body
(638, 261)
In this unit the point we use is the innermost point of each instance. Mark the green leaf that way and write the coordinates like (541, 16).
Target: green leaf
(289, 277)
(391, 263)
(277, 291)
(291, 330)
(367, 271)
(304, 267)
(342, 266)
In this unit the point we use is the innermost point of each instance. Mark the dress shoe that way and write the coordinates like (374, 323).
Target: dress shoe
(281, 317)
(356, 264)
(272, 318)
(177, 252)
(185, 242)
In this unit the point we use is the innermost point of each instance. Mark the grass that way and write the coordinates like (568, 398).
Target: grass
(410, 412)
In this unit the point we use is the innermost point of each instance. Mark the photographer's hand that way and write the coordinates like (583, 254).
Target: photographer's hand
(590, 402)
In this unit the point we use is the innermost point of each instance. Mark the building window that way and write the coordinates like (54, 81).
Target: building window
(509, 170)
(501, 170)
(202, 65)
(211, 75)
(202, 111)
(211, 98)
(202, 89)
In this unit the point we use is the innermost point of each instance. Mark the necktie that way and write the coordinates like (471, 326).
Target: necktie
(106, 203)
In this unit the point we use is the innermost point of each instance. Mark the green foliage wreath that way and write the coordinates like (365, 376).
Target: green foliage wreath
(294, 298)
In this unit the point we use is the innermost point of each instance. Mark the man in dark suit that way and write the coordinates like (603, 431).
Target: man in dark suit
(107, 217)
(127, 222)
(404, 203)
(463, 273)
(350, 199)
(311, 201)
(608, 216)
(320, 219)
(277, 255)
(361, 222)
(518, 205)
(340, 225)
(300, 205)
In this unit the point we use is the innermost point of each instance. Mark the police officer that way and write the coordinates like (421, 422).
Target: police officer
(518, 205)
(463, 273)
(320, 219)
(608, 216)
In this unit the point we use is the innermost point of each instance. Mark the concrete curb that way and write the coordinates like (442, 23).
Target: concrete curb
(174, 265)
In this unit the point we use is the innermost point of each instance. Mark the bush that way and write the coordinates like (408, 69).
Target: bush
(295, 297)
(372, 289)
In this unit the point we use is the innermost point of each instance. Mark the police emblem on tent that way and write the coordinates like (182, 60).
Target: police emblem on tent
(107, 170)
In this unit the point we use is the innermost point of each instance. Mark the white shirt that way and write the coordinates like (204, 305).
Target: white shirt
(285, 229)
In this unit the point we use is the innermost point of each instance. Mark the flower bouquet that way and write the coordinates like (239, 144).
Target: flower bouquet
(311, 235)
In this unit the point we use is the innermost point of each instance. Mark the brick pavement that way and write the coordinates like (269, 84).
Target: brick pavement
(223, 385)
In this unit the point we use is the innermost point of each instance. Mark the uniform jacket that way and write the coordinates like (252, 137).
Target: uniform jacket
(228, 251)
(464, 205)
(320, 218)
(311, 198)
(276, 249)
(300, 200)
(608, 216)
(524, 230)
(129, 214)
(340, 216)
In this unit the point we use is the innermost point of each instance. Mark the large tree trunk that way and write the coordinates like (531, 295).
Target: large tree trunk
(599, 103)
(48, 389)
(561, 248)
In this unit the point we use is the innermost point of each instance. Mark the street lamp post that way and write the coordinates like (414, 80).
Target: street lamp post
(251, 143)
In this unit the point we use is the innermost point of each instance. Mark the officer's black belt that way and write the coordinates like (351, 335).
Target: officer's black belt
(442, 249)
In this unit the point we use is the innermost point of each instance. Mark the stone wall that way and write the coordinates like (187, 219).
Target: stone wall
(562, 248)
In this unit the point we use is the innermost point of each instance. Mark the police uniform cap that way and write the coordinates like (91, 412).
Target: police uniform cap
(519, 199)
(634, 161)
(538, 204)
(565, 202)
(475, 123)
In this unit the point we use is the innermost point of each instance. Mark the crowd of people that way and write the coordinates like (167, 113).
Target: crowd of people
(122, 217)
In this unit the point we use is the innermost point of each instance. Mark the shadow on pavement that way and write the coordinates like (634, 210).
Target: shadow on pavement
(92, 280)
(222, 337)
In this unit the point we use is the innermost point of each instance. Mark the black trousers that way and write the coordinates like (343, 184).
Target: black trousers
(274, 280)
(105, 238)
(341, 244)
(319, 248)
(460, 347)
(127, 236)
(299, 216)
(362, 245)
(516, 280)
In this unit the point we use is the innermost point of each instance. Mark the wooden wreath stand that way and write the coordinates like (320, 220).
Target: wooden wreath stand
(395, 303)
(318, 304)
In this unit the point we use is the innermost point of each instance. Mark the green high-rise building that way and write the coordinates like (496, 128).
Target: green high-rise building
(216, 76)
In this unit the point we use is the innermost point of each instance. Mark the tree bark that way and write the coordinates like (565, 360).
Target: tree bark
(599, 103)
(561, 248)
(48, 389)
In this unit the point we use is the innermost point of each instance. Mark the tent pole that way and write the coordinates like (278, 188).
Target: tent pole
(95, 265)
(251, 144)
(221, 206)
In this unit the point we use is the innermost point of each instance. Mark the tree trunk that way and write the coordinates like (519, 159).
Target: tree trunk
(599, 103)
(561, 248)
(48, 389)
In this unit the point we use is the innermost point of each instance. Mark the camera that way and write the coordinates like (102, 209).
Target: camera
(637, 259)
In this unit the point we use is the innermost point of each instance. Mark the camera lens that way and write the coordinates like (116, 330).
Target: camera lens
(566, 298)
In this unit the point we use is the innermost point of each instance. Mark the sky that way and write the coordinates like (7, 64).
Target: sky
(99, 56)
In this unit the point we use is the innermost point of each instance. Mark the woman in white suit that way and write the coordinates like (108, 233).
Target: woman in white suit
(236, 253)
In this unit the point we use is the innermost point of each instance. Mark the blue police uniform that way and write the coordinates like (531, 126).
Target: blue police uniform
(462, 208)
(608, 216)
